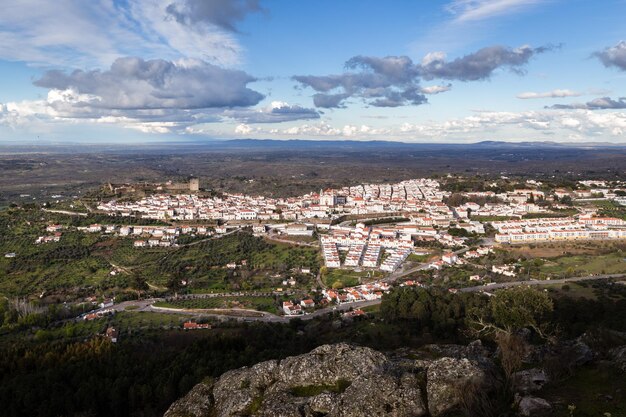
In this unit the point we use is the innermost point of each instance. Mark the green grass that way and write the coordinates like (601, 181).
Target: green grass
(254, 406)
(587, 390)
(492, 218)
(268, 304)
(418, 258)
(340, 278)
(146, 320)
(613, 263)
(593, 290)
(313, 390)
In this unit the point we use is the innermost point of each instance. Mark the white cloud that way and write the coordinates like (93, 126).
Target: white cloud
(436, 89)
(549, 94)
(475, 10)
(530, 125)
(275, 112)
(431, 57)
(76, 33)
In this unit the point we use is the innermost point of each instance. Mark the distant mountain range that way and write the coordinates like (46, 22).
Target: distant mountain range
(290, 144)
(380, 143)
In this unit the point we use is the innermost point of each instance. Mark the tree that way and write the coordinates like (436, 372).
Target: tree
(139, 283)
(567, 200)
(520, 307)
(510, 311)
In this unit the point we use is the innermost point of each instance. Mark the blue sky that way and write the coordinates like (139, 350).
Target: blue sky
(414, 71)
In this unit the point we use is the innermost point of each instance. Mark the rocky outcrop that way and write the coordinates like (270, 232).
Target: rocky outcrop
(446, 377)
(197, 403)
(534, 406)
(337, 381)
(529, 380)
(618, 356)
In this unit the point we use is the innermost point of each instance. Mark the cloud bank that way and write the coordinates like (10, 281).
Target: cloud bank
(224, 14)
(614, 56)
(602, 103)
(394, 81)
(134, 83)
(573, 125)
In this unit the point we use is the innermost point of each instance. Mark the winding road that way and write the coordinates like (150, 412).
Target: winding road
(252, 316)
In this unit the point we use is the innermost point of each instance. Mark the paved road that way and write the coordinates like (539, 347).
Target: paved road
(147, 305)
(540, 283)
(273, 236)
(69, 213)
(268, 317)
(394, 276)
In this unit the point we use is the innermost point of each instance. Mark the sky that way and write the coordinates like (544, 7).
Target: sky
(449, 71)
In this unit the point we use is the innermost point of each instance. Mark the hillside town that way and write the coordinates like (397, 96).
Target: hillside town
(407, 196)
(422, 207)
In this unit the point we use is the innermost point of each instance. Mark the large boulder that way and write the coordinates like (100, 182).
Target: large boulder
(534, 406)
(618, 356)
(581, 353)
(328, 364)
(447, 378)
(381, 395)
(529, 380)
(335, 381)
(197, 403)
(240, 391)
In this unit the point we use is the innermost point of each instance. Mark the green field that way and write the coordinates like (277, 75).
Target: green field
(418, 258)
(613, 263)
(340, 278)
(268, 304)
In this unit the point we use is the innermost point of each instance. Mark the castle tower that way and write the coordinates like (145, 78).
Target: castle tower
(194, 184)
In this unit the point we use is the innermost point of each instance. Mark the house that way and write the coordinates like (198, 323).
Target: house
(258, 229)
(111, 228)
(436, 265)
(308, 303)
(297, 229)
(106, 303)
(507, 270)
(245, 214)
(291, 309)
(450, 258)
(331, 295)
(140, 243)
(54, 228)
(354, 313)
(10, 255)
(191, 325)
